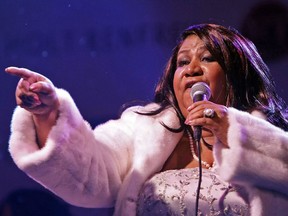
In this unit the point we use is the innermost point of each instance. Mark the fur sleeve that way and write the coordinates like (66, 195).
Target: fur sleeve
(77, 163)
(257, 155)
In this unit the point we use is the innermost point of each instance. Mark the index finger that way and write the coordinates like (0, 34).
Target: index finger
(196, 104)
(20, 72)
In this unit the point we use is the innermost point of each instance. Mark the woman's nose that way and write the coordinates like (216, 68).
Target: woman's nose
(193, 69)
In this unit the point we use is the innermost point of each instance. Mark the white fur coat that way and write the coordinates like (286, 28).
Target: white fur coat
(107, 166)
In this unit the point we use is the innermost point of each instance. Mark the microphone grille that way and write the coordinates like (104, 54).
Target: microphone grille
(200, 88)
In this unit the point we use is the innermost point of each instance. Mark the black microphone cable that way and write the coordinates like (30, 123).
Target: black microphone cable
(198, 146)
(197, 143)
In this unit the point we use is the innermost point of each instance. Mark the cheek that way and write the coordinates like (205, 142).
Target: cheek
(218, 89)
(176, 78)
(179, 92)
(176, 84)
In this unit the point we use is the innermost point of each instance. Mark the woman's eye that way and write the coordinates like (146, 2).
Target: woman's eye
(208, 59)
(182, 63)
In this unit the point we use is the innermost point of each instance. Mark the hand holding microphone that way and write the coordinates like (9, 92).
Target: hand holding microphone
(200, 91)
(205, 113)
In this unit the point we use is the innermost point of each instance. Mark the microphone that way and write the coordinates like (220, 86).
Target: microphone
(200, 91)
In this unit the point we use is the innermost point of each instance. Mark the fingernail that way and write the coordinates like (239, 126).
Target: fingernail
(32, 87)
(188, 122)
(7, 68)
(190, 108)
(37, 103)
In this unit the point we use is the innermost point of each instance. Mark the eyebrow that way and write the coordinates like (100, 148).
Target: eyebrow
(201, 48)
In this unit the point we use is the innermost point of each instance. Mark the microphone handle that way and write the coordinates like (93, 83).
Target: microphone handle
(197, 133)
(197, 130)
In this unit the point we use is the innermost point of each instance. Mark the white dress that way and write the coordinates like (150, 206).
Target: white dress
(173, 192)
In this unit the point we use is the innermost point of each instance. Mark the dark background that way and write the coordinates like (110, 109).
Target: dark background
(107, 53)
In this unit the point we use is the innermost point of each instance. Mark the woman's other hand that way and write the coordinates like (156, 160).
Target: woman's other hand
(37, 94)
(34, 92)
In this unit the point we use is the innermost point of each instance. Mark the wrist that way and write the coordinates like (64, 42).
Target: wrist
(49, 118)
(43, 125)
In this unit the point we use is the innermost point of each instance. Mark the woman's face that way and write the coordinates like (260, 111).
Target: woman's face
(196, 64)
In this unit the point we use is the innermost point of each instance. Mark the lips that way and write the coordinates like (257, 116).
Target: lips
(189, 84)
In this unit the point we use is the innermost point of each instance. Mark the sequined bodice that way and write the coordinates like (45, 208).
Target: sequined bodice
(173, 192)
